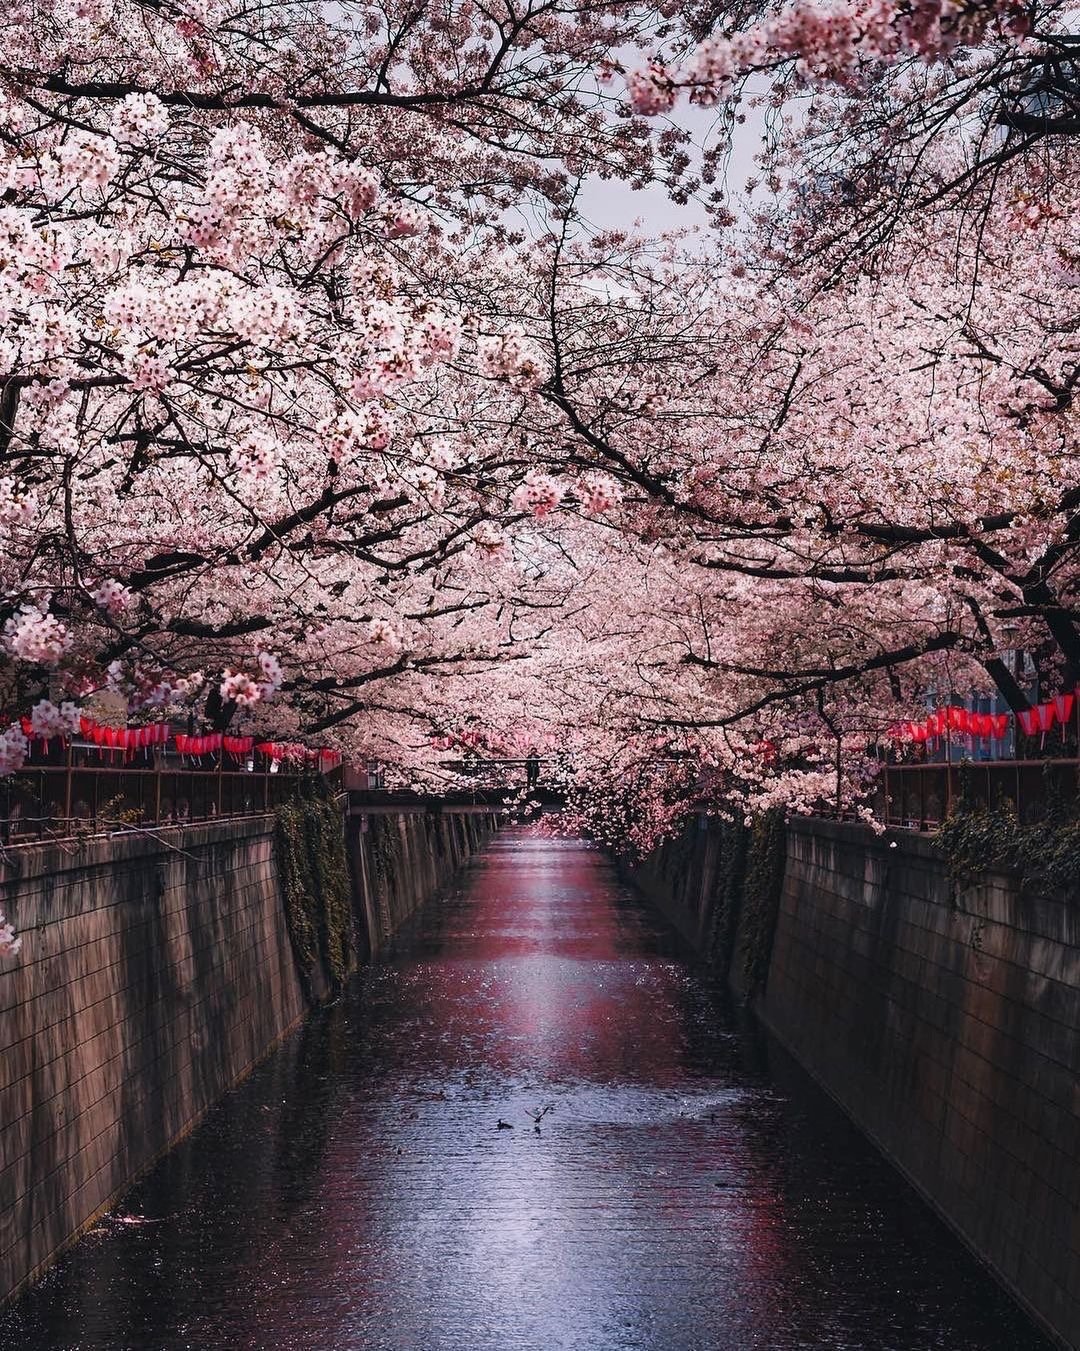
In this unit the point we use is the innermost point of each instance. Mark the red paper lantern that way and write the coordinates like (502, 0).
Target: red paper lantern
(999, 726)
(1045, 714)
(1063, 707)
(1029, 721)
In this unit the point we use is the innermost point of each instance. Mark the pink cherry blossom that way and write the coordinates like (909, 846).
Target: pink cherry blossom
(10, 944)
(35, 635)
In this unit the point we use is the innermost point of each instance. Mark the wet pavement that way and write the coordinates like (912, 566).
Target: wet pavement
(687, 1189)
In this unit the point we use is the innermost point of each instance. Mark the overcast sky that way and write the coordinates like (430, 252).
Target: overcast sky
(614, 203)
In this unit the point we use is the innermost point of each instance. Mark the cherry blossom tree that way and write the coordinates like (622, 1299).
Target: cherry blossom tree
(254, 282)
(322, 407)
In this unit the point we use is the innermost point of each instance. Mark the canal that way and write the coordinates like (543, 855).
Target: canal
(684, 1188)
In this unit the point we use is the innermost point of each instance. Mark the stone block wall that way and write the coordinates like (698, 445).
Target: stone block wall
(948, 1027)
(946, 1024)
(156, 971)
(680, 878)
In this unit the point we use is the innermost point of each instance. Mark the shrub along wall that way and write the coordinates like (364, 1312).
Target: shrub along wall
(317, 892)
(719, 883)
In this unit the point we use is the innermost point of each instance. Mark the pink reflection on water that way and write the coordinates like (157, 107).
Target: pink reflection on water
(542, 987)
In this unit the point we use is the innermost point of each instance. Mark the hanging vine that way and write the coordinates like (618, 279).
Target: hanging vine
(310, 847)
(728, 893)
(764, 883)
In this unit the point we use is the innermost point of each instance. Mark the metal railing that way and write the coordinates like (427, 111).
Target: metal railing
(920, 796)
(60, 801)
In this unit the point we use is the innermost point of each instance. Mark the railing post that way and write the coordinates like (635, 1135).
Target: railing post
(67, 789)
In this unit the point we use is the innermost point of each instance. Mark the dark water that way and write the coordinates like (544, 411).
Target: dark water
(356, 1192)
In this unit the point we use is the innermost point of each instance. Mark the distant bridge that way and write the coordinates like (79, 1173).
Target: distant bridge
(501, 780)
(376, 801)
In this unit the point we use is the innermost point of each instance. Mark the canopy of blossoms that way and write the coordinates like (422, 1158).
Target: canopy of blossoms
(326, 414)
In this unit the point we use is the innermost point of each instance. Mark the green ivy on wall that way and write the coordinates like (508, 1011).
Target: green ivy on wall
(309, 842)
(728, 892)
(977, 838)
(765, 860)
(383, 847)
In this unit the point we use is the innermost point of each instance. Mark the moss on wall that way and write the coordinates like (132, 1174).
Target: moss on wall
(741, 877)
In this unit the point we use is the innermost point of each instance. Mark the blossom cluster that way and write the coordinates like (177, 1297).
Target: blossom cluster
(14, 748)
(383, 634)
(512, 357)
(112, 596)
(828, 40)
(538, 494)
(10, 944)
(48, 719)
(32, 634)
(243, 690)
(600, 493)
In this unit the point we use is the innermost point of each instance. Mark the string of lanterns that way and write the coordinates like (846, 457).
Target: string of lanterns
(1034, 721)
(279, 751)
(129, 740)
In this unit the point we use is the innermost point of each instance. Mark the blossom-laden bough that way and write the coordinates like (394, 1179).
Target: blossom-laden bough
(323, 407)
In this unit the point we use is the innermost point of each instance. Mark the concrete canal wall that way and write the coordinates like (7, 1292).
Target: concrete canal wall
(156, 970)
(400, 859)
(946, 1024)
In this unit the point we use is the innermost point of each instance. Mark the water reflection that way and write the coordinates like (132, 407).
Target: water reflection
(355, 1193)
